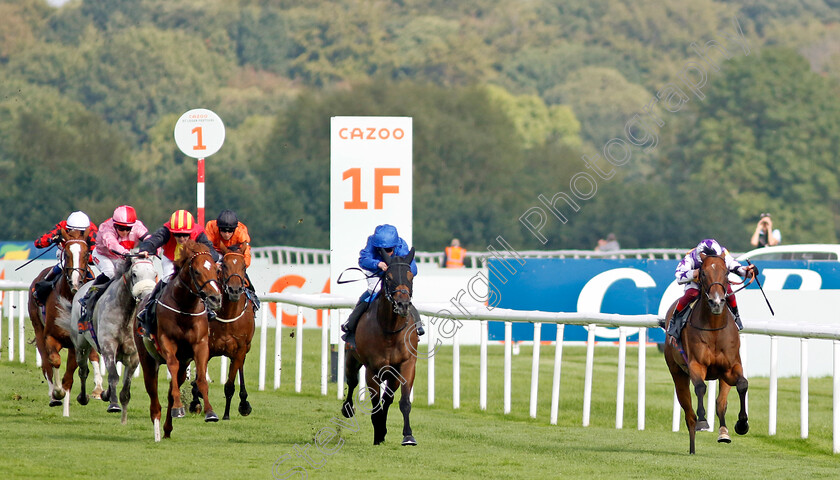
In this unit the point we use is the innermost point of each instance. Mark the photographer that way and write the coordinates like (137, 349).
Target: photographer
(764, 234)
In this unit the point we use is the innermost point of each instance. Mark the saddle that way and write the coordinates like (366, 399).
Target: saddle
(41, 290)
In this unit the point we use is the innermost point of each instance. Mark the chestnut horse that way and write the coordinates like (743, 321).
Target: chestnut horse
(386, 344)
(711, 343)
(232, 330)
(50, 336)
(181, 333)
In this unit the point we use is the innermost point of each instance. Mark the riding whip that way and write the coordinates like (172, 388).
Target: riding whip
(762, 292)
(36, 258)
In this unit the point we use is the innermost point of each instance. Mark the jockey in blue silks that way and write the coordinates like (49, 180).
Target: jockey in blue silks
(385, 240)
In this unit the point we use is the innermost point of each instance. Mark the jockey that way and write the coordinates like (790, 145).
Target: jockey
(76, 221)
(688, 273)
(227, 230)
(384, 240)
(174, 233)
(117, 236)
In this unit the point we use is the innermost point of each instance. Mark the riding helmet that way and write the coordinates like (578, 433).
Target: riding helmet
(78, 221)
(124, 215)
(181, 222)
(385, 236)
(227, 219)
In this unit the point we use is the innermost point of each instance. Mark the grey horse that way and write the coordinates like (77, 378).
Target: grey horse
(113, 323)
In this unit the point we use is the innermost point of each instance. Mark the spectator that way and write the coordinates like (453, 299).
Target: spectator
(608, 245)
(453, 255)
(764, 234)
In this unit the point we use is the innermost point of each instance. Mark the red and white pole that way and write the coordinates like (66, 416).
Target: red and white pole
(200, 192)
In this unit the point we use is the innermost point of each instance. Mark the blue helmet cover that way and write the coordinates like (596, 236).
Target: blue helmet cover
(385, 236)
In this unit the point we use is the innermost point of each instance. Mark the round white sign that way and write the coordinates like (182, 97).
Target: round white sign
(199, 133)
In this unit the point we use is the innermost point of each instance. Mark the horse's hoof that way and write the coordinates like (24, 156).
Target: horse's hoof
(58, 394)
(701, 425)
(105, 396)
(82, 399)
(178, 412)
(226, 417)
(724, 438)
(211, 417)
(96, 393)
(195, 407)
(409, 441)
(244, 409)
(55, 403)
(114, 408)
(741, 428)
(379, 442)
(348, 410)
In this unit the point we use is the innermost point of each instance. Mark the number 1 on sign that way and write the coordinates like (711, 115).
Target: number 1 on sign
(199, 145)
(379, 187)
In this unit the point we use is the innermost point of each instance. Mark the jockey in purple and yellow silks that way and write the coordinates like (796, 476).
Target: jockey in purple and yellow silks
(688, 272)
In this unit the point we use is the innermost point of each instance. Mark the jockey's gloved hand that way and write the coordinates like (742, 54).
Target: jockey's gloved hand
(55, 238)
(754, 270)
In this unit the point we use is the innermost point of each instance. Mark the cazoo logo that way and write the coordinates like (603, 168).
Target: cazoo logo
(371, 133)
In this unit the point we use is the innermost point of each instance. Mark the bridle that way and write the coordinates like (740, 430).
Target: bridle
(225, 279)
(706, 289)
(68, 271)
(198, 291)
(387, 287)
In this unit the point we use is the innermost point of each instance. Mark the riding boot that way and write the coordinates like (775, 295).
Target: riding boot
(349, 328)
(89, 300)
(42, 289)
(252, 294)
(145, 316)
(678, 320)
(416, 314)
(738, 323)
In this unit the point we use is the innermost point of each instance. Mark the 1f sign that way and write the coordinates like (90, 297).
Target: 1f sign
(199, 133)
(370, 185)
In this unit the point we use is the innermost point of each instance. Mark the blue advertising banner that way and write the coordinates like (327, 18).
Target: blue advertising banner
(629, 287)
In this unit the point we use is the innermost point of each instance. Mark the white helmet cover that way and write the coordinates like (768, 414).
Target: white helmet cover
(78, 221)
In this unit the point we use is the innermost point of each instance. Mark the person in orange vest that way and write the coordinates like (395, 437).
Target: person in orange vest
(227, 230)
(453, 255)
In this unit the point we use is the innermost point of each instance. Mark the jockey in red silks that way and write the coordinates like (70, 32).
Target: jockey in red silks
(169, 238)
(688, 273)
(76, 221)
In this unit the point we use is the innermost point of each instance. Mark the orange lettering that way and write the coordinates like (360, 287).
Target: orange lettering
(355, 202)
(379, 189)
(357, 133)
(279, 285)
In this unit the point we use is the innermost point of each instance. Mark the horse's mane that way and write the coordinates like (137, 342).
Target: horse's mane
(121, 268)
(191, 247)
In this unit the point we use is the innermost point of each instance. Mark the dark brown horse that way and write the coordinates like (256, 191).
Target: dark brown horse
(50, 334)
(181, 333)
(232, 330)
(386, 344)
(711, 343)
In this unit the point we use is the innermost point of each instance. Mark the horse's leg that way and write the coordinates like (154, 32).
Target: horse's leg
(244, 406)
(150, 379)
(230, 385)
(351, 374)
(84, 370)
(682, 384)
(723, 432)
(378, 417)
(110, 396)
(176, 408)
(202, 355)
(128, 373)
(67, 380)
(97, 375)
(742, 426)
(407, 372)
(38, 327)
(698, 376)
(54, 362)
(195, 404)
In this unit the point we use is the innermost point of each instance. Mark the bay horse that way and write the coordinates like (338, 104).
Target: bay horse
(112, 320)
(50, 336)
(181, 333)
(711, 343)
(232, 330)
(386, 344)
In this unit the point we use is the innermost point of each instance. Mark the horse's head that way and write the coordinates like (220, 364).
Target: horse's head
(397, 282)
(75, 261)
(140, 277)
(198, 272)
(713, 281)
(233, 272)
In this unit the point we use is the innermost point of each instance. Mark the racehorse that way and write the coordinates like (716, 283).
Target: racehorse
(50, 337)
(386, 344)
(711, 344)
(181, 333)
(112, 320)
(232, 330)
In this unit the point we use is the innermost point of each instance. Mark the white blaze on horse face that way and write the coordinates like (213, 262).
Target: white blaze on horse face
(207, 264)
(76, 255)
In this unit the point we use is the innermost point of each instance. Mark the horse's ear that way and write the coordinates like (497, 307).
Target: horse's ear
(223, 249)
(410, 257)
(702, 257)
